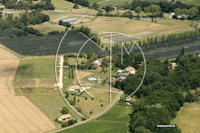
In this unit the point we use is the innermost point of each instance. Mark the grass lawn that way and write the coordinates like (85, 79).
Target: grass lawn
(36, 68)
(188, 118)
(116, 120)
(95, 104)
(48, 27)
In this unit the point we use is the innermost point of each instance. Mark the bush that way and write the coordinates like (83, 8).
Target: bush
(101, 105)
(78, 109)
(70, 122)
(11, 35)
(71, 102)
(100, 100)
(85, 98)
(182, 18)
(56, 120)
(82, 119)
(90, 112)
(65, 110)
(189, 98)
(76, 6)
(64, 124)
(78, 100)
(92, 98)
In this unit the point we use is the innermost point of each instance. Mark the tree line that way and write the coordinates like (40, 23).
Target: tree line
(80, 2)
(34, 17)
(12, 4)
(157, 42)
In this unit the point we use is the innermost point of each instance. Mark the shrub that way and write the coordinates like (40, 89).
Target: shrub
(78, 100)
(90, 112)
(101, 105)
(56, 120)
(71, 102)
(76, 6)
(11, 35)
(189, 98)
(70, 122)
(64, 124)
(65, 110)
(78, 109)
(82, 119)
(92, 98)
(100, 100)
(85, 98)
(182, 18)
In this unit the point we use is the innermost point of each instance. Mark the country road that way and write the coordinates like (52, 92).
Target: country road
(103, 112)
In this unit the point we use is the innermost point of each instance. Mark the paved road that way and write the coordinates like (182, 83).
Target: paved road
(82, 122)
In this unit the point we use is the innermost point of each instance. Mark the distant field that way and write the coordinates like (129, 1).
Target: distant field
(188, 118)
(48, 44)
(137, 29)
(62, 4)
(65, 5)
(48, 27)
(115, 120)
(194, 2)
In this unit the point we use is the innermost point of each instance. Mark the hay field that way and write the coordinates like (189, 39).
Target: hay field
(17, 113)
(68, 6)
(188, 118)
(136, 29)
(48, 27)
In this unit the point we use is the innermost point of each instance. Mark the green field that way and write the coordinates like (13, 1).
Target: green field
(36, 68)
(115, 120)
(188, 118)
(194, 2)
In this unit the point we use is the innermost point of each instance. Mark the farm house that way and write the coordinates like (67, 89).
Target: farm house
(65, 117)
(75, 87)
(130, 70)
(128, 101)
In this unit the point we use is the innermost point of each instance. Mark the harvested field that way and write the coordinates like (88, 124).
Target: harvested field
(17, 113)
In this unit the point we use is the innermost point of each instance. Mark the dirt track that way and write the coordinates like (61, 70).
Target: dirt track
(17, 113)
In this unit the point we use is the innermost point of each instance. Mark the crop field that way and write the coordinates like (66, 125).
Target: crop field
(48, 27)
(110, 2)
(68, 6)
(62, 4)
(139, 29)
(6, 33)
(36, 68)
(15, 111)
(47, 45)
(114, 121)
(188, 118)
